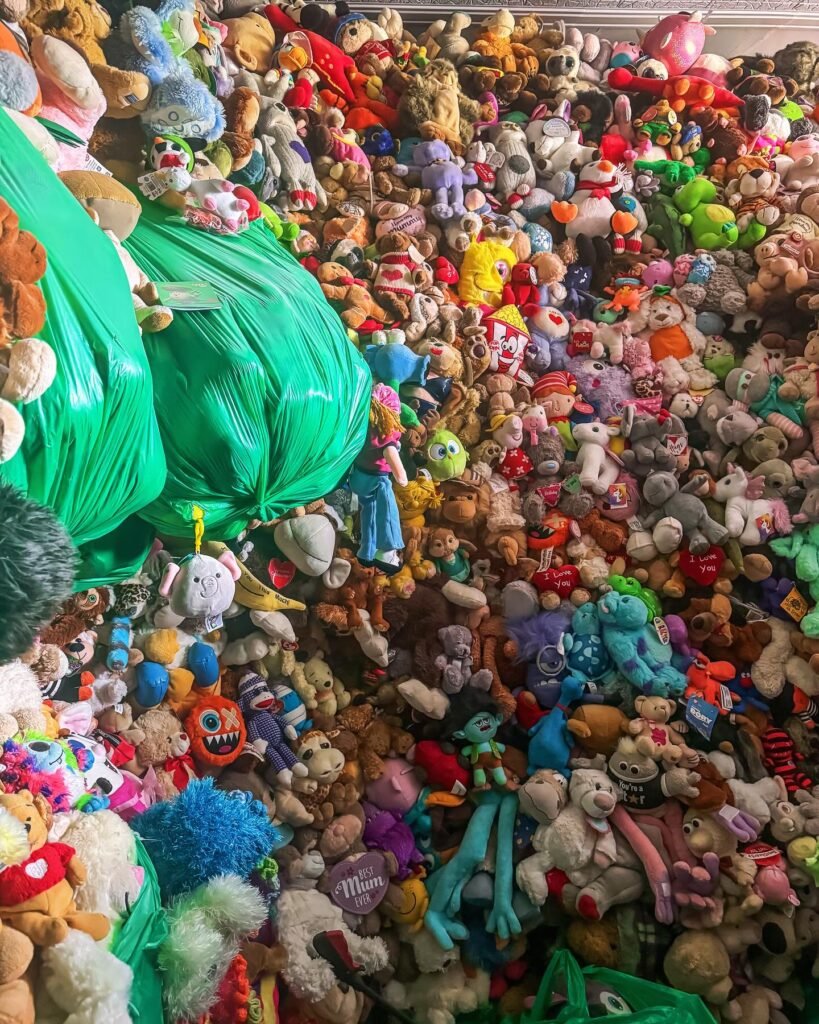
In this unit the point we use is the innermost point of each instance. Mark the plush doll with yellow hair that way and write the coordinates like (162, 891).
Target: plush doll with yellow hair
(379, 460)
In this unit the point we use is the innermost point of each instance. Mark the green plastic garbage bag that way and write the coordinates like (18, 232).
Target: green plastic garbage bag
(92, 450)
(136, 942)
(650, 1003)
(263, 403)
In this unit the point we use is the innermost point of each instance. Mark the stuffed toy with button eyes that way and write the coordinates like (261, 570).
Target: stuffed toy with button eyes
(199, 587)
(267, 730)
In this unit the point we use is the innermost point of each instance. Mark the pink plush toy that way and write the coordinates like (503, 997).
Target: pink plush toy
(397, 788)
(71, 96)
(677, 41)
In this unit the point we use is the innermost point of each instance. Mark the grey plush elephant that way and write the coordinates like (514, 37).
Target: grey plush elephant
(647, 436)
(200, 588)
(662, 491)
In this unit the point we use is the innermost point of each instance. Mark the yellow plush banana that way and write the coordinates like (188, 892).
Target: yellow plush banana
(250, 592)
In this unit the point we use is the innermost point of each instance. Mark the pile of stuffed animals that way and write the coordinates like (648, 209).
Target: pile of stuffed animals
(543, 670)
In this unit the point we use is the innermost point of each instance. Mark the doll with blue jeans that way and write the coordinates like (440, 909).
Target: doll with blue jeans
(371, 481)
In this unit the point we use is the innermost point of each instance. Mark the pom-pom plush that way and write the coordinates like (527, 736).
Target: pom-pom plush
(107, 847)
(14, 848)
(203, 833)
(86, 982)
(205, 929)
(36, 571)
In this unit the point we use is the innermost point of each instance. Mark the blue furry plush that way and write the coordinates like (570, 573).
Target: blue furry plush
(182, 105)
(141, 45)
(204, 833)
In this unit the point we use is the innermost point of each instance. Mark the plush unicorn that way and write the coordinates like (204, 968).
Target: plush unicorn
(749, 517)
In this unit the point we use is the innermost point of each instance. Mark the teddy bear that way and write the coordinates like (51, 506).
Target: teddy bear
(374, 738)
(401, 272)
(669, 326)
(300, 915)
(725, 290)
(319, 689)
(455, 664)
(434, 107)
(496, 41)
(711, 630)
(164, 748)
(655, 736)
(339, 285)
(662, 492)
(698, 962)
(37, 894)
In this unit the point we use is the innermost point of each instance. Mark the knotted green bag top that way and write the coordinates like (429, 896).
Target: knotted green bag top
(262, 404)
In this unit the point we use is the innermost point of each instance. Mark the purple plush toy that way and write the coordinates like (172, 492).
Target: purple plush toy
(439, 172)
(384, 830)
(604, 386)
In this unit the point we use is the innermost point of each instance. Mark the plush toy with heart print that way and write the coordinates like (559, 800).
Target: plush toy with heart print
(37, 895)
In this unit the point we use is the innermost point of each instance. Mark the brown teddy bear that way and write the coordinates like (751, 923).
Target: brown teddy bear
(390, 186)
(479, 76)
(241, 114)
(16, 995)
(37, 895)
(22, 264)
(165, 748)
(374, 738)
(710, 630)
(339, 285)
(400, 272)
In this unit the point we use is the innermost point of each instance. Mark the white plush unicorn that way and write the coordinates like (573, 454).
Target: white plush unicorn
(749, 517)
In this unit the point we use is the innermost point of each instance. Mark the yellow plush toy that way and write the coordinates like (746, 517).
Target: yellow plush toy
(486, 268)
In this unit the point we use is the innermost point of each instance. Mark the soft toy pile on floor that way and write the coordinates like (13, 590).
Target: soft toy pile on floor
(543, 670)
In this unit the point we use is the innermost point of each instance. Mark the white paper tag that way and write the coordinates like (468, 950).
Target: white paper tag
(725, 698)
(663, 634)
(151, 185)
(634, 525)
(545, 559)
(94, 165)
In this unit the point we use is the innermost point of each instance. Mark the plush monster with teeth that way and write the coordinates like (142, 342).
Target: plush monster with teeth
(217, 731)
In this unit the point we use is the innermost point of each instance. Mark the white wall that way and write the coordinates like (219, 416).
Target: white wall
(743, 26)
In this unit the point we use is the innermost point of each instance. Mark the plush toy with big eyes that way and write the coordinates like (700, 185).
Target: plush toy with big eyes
(217, 731)
(446, 457)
